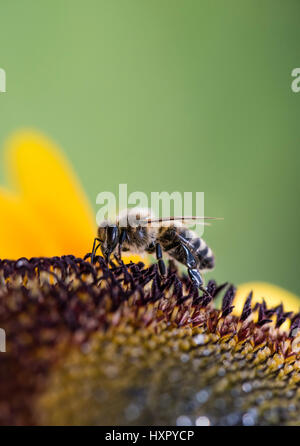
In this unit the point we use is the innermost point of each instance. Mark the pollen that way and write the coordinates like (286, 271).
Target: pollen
(118, 345)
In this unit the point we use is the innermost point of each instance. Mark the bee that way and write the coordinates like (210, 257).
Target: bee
(155, 236)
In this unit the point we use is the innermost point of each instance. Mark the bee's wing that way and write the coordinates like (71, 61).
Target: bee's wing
(182, 219)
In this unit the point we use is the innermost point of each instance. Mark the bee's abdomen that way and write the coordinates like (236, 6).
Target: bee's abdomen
(172, 245)
(206, 258)
(201, 250)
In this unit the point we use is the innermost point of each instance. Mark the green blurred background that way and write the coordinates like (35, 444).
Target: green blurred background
(171, 95)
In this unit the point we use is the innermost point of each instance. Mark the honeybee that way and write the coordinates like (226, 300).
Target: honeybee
(156, 235)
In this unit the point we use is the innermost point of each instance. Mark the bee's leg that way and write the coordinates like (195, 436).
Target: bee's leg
(196, 278)
(161, 263)
(121, 241)
(193, 272)
(95, 248)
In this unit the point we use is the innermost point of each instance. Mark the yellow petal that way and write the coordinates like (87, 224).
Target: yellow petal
(272, 294)
(20, 232)
(48, 187)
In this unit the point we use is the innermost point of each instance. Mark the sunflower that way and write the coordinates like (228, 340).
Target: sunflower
(45, 211)
(115, 344)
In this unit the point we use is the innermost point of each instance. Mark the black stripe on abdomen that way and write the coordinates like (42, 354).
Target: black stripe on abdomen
(206, 258)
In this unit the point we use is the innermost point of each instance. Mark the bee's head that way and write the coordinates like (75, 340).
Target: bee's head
(108, 234)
